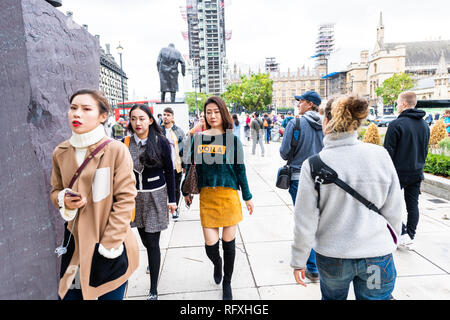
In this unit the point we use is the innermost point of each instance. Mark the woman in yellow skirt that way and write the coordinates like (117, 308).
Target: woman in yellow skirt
(219, 161)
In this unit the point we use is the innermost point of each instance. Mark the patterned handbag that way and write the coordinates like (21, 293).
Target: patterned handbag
(190, 183)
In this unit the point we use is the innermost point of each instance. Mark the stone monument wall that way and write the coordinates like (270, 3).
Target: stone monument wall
(44, 58)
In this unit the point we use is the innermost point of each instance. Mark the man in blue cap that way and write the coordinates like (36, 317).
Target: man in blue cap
(308, 132)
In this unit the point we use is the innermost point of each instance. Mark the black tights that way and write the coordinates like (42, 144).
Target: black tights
(151, 243)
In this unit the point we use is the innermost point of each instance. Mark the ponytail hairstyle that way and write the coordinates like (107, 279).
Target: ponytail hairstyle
(347, 114)
(152, 157)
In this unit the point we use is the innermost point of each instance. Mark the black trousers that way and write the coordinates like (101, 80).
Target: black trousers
(412, 192)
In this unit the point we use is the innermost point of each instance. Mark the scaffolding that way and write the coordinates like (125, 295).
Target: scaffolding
(207, 38)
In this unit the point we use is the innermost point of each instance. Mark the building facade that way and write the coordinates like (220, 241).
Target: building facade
(356, 74)
(426, 61)
(288, 84)
(207, 44)
(110, 78)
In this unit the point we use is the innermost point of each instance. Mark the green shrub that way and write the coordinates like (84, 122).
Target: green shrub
(437, 164)
(361, 133)
(445, 143)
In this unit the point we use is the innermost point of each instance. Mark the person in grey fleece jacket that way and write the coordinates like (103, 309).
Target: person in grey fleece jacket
(352, 243)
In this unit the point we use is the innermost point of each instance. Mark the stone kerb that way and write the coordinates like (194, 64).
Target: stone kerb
(437, 186)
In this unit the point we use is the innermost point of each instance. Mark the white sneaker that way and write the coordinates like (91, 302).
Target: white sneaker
(405, 242)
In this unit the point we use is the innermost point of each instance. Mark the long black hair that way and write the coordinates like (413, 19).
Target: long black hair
(236, 119)
(152, 157)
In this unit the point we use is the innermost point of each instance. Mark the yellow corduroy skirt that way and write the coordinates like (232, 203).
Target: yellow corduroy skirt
(219, 207)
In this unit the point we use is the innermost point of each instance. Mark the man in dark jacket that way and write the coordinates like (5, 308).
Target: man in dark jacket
(310, 142)
(176, 137)
(406, 141)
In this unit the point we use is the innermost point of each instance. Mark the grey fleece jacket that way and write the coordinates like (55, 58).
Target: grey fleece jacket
(310, 141)
(344, 228)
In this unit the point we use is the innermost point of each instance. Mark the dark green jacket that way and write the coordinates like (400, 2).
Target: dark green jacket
(219, 162)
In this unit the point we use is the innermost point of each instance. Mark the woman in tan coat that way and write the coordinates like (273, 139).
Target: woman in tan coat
(99, 252)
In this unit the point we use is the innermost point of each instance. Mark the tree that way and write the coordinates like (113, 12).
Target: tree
(254, 93)
(393, 86)
(233, 94)
(190, 98)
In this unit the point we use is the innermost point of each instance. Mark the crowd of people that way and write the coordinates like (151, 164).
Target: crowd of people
(104, 187)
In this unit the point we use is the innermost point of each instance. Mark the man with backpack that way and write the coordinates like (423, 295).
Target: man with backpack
(257, 132)
(267, 127)
(307, 131)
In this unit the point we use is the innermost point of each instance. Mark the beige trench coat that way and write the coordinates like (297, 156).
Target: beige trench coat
(109, 185)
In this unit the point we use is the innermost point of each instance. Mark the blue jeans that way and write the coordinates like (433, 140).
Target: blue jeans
(311, 263)
(268, 131)
(118, 294)
(373, 278)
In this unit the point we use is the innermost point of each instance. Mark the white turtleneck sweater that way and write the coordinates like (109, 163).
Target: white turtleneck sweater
(81, 142)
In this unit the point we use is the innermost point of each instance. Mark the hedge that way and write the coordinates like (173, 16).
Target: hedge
(437, 164)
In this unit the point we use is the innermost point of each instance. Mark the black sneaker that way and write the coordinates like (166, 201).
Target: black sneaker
(313, 276)
(175, 215)
(152, 297)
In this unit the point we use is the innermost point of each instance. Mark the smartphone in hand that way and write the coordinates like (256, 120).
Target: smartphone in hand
(188, 205)
(72, 194)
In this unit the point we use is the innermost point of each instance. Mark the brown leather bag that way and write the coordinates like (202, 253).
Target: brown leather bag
(190, 183)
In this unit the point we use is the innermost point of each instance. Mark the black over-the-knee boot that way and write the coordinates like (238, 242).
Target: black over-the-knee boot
(229, 253)
(213, 254)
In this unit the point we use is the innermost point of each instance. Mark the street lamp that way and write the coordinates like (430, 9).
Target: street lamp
(119, 51)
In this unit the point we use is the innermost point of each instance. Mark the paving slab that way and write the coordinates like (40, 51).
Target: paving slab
(267, 228)
(423, 288)
(189, 269)
(190, 234)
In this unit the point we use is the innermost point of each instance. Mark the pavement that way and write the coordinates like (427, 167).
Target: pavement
(263, 249)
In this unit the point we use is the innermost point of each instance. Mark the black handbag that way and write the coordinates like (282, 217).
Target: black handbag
(284, 173)
(284, 177)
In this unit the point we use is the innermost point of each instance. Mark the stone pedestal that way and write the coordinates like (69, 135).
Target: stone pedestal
(44, 58)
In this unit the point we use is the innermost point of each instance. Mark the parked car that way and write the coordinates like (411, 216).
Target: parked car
(384, 120)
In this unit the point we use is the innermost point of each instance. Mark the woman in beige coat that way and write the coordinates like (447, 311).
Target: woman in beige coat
(101, 250)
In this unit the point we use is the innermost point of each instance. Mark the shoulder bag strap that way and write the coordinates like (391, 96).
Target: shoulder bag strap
(323, 174)
(294, 141)
(86, 161)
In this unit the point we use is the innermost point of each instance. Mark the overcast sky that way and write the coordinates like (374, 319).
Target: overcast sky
(285, 29)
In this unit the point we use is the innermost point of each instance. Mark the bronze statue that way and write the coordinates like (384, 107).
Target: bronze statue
(167, 64)
(55, 3)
